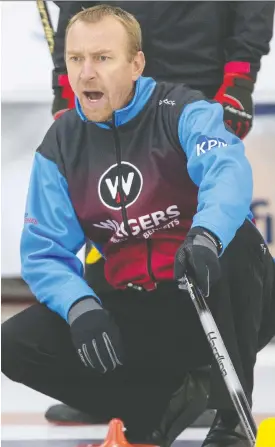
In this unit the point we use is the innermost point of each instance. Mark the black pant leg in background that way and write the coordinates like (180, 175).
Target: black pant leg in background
(249, 268)
(251, 287)
(267, 329)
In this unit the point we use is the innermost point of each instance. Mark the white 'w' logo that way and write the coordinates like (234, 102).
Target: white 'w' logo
(126, 185)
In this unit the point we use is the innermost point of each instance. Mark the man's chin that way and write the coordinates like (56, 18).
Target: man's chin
(98, 116)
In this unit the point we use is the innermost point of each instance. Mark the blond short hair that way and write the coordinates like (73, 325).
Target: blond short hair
(129, 22)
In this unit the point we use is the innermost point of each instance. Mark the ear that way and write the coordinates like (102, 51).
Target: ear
(138, 65)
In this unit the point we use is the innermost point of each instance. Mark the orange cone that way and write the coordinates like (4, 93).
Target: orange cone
(115, 437)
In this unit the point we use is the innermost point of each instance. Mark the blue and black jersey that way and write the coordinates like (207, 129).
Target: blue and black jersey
(134, 186)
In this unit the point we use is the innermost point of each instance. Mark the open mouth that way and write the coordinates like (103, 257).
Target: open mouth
(93, 96)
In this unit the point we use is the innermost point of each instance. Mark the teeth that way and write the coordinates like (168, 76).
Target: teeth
(93, 96)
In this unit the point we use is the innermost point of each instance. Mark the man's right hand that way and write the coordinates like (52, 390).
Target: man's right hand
(63, 94)
(95, 336)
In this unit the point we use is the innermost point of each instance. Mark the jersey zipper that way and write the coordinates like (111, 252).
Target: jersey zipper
(123, 208)
(119, 169)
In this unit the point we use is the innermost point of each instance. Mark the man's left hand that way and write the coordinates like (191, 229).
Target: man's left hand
(235, 95)
(198, 256)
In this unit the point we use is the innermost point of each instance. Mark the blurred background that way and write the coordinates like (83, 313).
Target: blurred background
(26, 97)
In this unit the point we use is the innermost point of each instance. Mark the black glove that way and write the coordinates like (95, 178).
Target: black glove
(95, 335)
(235, 95)
(198, 257)
(63, 94)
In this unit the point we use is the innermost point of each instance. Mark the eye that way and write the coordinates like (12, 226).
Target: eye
(102, 58)
(75, 58)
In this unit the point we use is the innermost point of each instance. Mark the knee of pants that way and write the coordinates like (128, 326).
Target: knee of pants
(10, 365)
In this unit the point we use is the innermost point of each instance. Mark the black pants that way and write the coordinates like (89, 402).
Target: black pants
(162, 339)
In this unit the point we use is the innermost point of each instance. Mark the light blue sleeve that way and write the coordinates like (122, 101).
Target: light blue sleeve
(218, 166)
(50, 240)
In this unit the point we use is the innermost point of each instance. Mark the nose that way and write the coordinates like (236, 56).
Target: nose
(88, 70)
